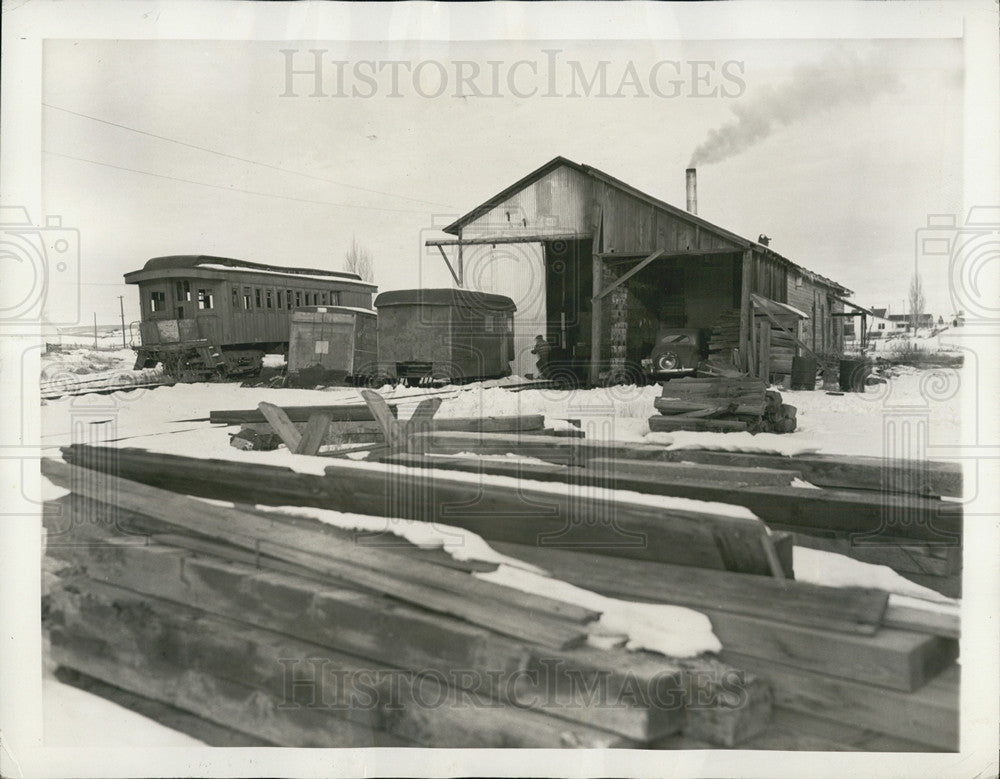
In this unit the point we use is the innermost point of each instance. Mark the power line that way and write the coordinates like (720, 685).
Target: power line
(241, 159)
(233, 189)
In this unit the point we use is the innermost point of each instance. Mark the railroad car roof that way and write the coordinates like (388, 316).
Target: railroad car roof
(458, 298)
(332, 310)
(207, 262)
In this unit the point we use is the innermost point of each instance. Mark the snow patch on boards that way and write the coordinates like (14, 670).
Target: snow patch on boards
(674, 631)
(836, 570)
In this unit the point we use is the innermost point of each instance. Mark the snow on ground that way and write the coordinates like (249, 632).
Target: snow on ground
(174, 419)
(72, 717)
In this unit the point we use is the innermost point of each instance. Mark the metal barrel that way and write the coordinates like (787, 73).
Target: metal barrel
(803, 373)
(853, 372)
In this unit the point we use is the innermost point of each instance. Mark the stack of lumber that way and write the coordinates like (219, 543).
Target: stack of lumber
(307, 429)
(887, 512)
(725, 335)
(722, 404)
(849, 670)
(676, 532)
(283, 630)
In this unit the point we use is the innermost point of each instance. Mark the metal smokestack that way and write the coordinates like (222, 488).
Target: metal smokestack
(692, 190)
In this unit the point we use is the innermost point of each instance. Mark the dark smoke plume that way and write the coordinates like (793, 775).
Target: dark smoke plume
(837, 80)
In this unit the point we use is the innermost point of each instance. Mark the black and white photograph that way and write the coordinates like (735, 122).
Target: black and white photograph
(434, 389)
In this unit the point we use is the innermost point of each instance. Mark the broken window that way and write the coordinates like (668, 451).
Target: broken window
(205, 299)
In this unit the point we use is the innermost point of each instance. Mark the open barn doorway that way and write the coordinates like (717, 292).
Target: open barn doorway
(568, 290)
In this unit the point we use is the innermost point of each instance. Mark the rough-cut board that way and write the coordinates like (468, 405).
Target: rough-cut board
(664, 424)
(426, 585)
(314, 434)
(919, 477)
(356, 412)
(803, 509)
(927, 716)
(715, 474)
(532, 514)
(850, 609)
(166, 637)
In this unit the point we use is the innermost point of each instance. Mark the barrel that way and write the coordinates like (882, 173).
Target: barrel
(853, 372)
(803, 373)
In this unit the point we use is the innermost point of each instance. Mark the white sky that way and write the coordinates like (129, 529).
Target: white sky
(840, 187)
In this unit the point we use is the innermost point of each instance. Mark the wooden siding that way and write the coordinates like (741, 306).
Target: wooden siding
(633, 225)
(821, 332)
(555, 204)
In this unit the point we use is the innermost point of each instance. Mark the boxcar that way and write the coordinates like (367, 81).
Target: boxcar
(214, 317)
(331, 344)
(444, 335)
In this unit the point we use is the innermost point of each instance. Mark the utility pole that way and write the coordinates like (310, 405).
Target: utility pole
(121, 305)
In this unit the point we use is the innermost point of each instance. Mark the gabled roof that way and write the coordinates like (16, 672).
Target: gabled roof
(595, 173)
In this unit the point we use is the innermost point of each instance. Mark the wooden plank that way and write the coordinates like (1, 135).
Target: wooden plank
(282, 425)
(661, 424)
(891, 659)
(563, 518)
(354, 412)
(846, 609)
(425, 409)
(392, 429)
(936, 621)
(746, 284)
(418, 708)
(786, 508)
(927, 477)
(926, 716)
(314, 434)
(409, 581)
(695, 472)
(630, 273)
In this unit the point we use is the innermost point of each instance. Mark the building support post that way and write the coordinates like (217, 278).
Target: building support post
(746, 282)
(596, 305)
(460, 262)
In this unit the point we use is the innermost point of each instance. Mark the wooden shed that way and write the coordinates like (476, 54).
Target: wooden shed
(616, 264)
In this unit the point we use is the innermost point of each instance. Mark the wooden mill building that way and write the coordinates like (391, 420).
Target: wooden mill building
(608, 265)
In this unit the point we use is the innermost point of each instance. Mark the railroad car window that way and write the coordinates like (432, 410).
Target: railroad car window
(157, 300)
(269, 298)
(322, 299)
(288, 297)
(281, 296)
(298, 298)
(256, 297)
(236, 297)
(247, 300)
(205, 301)
(183, 291)
(334, 298)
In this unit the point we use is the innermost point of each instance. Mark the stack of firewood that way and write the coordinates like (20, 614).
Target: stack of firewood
(728, 404)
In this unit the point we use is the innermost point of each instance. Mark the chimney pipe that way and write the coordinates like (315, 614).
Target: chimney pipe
(692, 190)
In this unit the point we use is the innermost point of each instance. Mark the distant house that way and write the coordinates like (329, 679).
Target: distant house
(904, 321)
